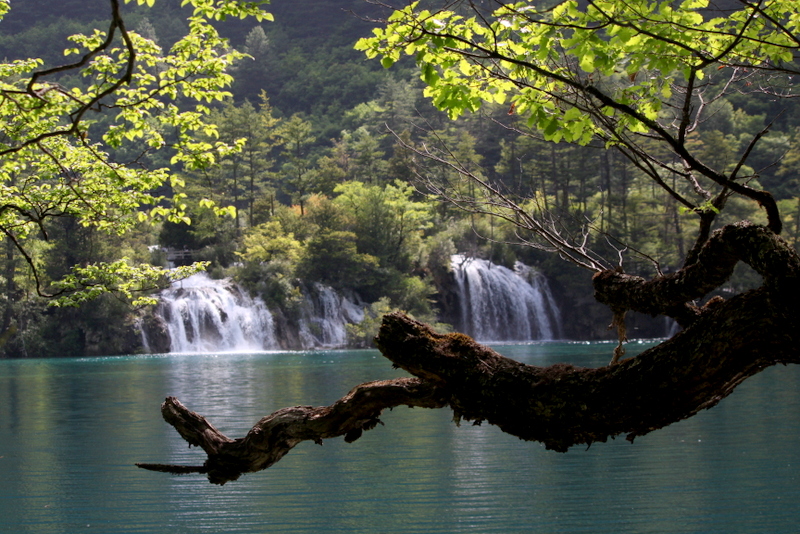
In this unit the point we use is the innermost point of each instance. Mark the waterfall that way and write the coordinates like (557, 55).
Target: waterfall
(324, 317)
(498, 304)
(205, 315)
(199, 314)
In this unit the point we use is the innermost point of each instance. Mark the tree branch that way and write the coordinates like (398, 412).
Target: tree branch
(276, 434)
(560, 406)
(76, 117)
(769, 255)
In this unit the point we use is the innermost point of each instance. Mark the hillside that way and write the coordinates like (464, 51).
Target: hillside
(323, 192)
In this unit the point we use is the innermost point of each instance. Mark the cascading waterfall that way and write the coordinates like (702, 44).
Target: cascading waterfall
(205, 315)
(199, 314)
(324, 317)
(498, 304)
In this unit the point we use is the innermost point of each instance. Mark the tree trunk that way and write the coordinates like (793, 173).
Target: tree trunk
(562, 405)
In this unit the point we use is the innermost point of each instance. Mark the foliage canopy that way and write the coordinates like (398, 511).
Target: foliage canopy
(638, 76)
(79, 139)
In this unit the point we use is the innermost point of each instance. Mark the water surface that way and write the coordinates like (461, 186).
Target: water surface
(71, 430)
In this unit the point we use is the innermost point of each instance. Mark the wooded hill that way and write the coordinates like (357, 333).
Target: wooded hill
(322, 185)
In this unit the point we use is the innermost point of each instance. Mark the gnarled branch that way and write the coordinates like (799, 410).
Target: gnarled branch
(278, 433)
(561, 405)
(768, 254)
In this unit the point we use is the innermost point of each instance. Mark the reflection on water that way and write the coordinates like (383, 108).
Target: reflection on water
(71, 430)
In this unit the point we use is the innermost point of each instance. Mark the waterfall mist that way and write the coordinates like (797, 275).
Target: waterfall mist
(205, 315)
(200, 314)
(324, 317)
(498, 304)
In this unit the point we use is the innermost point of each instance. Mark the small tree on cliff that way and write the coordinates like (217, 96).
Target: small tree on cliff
(636, 76)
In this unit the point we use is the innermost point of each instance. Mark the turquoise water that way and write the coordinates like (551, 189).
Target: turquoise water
(71, 430)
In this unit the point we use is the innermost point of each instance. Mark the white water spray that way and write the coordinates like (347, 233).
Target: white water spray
(205, 315)
(498, 304)
(324, 318)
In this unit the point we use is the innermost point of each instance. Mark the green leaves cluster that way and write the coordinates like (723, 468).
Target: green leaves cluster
(221, 9)
(62, 137)
(131, 282)
(577, 73)
(639, 76)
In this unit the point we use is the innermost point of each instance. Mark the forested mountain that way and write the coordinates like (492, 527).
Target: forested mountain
(322, 186)
(304, 60)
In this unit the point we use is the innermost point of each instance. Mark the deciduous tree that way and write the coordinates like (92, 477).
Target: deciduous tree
(60, 136)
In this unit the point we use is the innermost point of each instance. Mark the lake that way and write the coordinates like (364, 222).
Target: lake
(71, 430)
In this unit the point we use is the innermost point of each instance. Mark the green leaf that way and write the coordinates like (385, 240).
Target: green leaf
(587, 62)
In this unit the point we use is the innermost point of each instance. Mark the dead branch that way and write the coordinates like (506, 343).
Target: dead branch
(278, 433)
(560, 406)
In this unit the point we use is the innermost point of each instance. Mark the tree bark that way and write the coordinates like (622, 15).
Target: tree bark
(561, 405)
(769, 255)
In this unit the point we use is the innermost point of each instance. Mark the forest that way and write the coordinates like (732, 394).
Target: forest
(319, 154)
